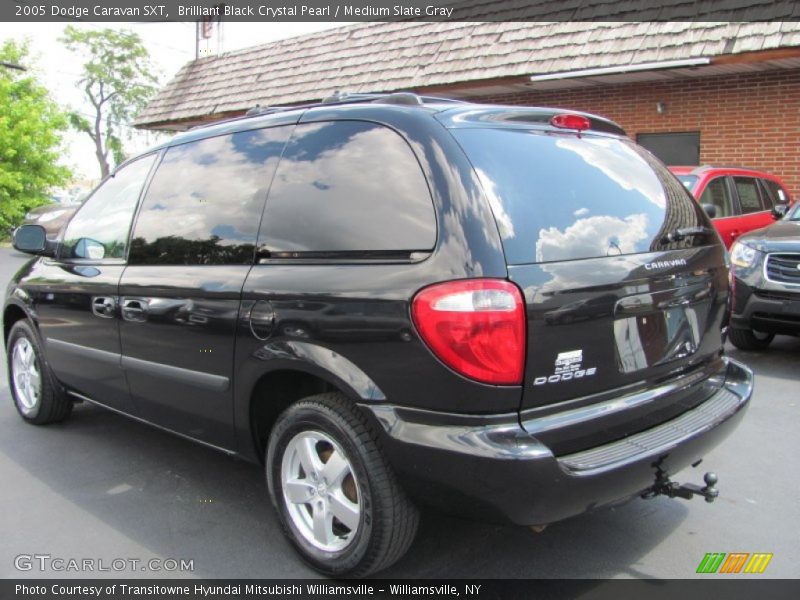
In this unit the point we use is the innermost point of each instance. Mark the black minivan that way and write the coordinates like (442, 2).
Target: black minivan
(506, 313)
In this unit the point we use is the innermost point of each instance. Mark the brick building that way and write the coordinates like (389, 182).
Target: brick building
(742, 119)
(693, 92)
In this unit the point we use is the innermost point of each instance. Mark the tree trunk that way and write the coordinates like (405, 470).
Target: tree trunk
(99, 152)
(101, 159)
(98, 145)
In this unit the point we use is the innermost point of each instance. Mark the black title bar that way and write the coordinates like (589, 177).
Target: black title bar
(390, 10)
(743, 588)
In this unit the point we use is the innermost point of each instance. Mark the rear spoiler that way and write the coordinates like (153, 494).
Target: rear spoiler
(516, 116)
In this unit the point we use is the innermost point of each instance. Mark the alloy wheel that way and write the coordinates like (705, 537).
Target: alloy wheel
(26, 376)
(320, 491)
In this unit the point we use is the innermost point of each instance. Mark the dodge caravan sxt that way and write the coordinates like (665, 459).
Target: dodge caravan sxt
(393, 301)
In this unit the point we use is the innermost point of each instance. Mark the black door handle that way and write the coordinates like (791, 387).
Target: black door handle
(134, 309)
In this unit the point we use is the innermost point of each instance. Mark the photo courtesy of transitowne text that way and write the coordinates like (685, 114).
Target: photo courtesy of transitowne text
(123, 590)
(399, 299)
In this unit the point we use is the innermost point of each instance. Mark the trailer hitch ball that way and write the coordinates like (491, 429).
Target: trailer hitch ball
(710, 491)
(687, 491)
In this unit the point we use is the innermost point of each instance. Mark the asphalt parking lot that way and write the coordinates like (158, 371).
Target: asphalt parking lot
(101, 486)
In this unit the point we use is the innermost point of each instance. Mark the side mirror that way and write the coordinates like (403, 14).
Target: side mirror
(779, 210)
(32, 239)
(710, 209)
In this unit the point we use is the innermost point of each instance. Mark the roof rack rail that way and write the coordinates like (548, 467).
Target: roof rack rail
(409, 98)
(405, 98)
(338, 97)
(433, 99)
(263, 110)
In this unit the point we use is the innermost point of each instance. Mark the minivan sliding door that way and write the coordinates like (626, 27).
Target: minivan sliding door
(191, 249)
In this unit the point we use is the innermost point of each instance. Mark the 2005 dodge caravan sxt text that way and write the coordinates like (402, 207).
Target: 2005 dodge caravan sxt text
(506, 313)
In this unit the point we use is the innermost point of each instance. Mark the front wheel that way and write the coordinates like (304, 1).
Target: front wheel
(38, 399)
(749, 339)
(336, 496)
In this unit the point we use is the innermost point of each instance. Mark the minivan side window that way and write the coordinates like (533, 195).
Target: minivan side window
(348, 186)
(205, 200)
(99, 230)
(749, 197)
(718, 194)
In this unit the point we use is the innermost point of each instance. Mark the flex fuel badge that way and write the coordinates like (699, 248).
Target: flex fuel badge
(568, 366)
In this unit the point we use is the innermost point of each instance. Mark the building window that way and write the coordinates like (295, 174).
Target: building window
(673, 148)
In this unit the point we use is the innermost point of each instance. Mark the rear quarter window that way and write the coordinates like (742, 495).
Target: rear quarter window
(348, 186)
(777, 194)
(562, 197)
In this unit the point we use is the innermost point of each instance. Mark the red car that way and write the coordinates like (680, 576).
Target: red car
(742, 199)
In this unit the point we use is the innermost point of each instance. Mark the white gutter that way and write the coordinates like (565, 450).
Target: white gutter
(651, 66)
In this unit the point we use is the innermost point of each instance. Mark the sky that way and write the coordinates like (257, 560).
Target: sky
(171, 45)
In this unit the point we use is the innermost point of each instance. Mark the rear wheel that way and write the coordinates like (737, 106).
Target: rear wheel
(749, 339)
(39, 400)
(336, 496)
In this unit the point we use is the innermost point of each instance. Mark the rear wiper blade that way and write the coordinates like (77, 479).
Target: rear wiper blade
(682, 233)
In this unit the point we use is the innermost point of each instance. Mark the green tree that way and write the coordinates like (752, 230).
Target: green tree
(117, 80)
(30, 139)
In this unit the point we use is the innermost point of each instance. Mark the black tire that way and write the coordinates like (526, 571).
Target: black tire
(387, 521)
(747, 339)
(52, 404)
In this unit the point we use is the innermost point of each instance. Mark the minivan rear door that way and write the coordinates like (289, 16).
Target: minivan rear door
(623, 277)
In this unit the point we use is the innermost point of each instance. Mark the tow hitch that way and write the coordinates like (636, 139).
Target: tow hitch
(672, 489)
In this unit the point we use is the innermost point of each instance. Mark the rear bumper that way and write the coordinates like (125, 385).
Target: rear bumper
(490, 468)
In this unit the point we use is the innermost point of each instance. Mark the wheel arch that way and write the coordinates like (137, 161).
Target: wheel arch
(12, 313)
(286, 382)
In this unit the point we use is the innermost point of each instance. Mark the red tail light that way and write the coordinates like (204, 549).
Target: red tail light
(476, 327)
(567, 121)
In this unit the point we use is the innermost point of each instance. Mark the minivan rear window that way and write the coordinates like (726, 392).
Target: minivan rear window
(562, 197)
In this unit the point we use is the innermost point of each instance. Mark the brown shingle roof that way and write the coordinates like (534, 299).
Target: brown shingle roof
(380, 57)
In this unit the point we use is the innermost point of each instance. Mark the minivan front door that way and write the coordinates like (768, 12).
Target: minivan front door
(192, 247)
(76, 293)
